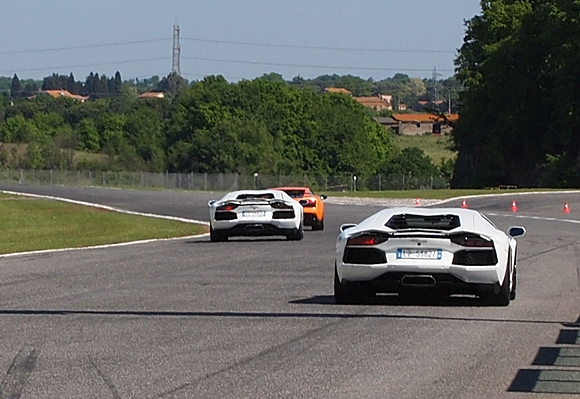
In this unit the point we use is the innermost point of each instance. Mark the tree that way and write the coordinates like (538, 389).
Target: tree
(530, 50)
(172, 83)
(89, 138)
(15, 89)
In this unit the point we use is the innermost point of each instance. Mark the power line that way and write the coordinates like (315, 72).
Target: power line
(87, 65)
(318, 47)
(84, 46)
(314, 66)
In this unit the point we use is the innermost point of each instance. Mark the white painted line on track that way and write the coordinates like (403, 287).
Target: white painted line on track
(534, 217)
(360, 201)
(507, 194)
(109, 208)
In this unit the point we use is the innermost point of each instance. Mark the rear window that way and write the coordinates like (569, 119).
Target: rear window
(265, 196)
(429, 222)
(295, 193)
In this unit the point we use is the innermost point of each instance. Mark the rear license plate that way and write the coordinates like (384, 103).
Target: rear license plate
(418, 254)
(253, 214)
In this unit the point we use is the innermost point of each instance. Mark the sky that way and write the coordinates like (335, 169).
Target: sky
(239, 39)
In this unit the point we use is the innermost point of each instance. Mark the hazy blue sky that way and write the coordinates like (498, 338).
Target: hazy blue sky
(240, 39)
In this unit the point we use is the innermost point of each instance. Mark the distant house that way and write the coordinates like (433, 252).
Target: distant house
(64, 93)
(339, 90)
(378, 102)
(414, 124)
(151, 94)
(427, 106)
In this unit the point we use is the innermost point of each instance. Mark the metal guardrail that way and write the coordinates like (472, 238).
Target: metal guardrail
(217, 181)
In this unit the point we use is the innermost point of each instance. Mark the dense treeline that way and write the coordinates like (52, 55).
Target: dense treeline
(405, 89)
(265, 125)
(209, 126)
(520, 63)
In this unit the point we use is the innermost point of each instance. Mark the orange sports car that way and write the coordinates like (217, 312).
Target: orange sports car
(313, 205)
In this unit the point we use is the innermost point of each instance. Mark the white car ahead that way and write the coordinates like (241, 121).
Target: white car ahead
(256, 213)
(443, 251)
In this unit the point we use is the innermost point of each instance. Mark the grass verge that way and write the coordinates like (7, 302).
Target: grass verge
(37, 224)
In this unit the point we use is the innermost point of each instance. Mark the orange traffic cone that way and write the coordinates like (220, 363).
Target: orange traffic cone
(464, 204)
(417, 202)
(514, 206)
(566, 208)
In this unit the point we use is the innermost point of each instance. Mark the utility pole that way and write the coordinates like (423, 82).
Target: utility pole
(176, 50)
(434, 77)
(449, 110)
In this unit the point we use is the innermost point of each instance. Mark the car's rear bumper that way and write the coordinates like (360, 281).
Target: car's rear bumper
(465, 274)
(310, 218)
(409, 282)
(257, 229)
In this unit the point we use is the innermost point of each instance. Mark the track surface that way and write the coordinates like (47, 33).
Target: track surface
(256, 318)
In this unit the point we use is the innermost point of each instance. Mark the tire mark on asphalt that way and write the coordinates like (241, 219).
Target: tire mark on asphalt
(18, 373)
(252, 358)
(105, 379)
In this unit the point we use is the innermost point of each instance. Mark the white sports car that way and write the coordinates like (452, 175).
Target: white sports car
(426, 251)
(256, 213)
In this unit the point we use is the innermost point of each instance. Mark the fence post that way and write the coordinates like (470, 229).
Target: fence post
(403, 181)
(380, 182)
(431, 182)
(90, 178)
(51, 178)
(104, 184)
(205, 181)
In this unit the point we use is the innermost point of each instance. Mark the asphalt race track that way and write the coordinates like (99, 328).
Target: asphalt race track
(256, 318)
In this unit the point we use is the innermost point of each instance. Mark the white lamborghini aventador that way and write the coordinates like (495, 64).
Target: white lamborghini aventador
(256, 213)
(429, 251)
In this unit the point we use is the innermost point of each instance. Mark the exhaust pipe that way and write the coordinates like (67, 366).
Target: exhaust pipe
(418, 281)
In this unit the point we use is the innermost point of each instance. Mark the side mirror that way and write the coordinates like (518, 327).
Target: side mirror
(303, 202)
(211, 202)
(347, 226)
(516, 231)
(323, 197)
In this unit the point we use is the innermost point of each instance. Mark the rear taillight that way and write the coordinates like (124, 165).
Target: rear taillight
(280, 205)
(308, 202)
(367, 240)
(471, 240)
(227, 207)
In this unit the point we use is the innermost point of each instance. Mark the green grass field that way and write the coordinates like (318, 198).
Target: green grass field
(35, 224)
(436, 147)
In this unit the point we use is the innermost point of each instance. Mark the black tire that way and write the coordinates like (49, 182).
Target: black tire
(513, 292)
(349, 296)
(341, 294)
(215, 236)
(296, 234)
(318, 225)
(502, 298)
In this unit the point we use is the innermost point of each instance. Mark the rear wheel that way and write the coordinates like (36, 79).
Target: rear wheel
(216, 236)
(296, 234)
(349, 296)
(318, 225)
(514, 284)
(342, 295)
(502, 298)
